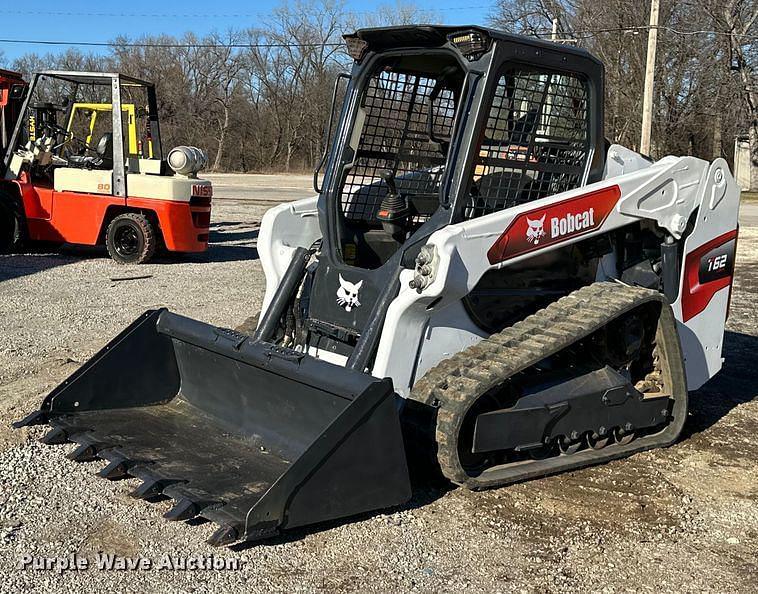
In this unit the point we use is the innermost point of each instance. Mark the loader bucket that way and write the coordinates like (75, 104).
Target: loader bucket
(254, 437)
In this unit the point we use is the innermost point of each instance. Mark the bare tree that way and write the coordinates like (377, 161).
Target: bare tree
(289, 73)
(398, 13)
(690, 116)
(264, 107)
(220, 67)
(738, 21)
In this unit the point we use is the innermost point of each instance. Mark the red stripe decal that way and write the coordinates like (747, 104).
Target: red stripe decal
(707, 269)
(546, 226)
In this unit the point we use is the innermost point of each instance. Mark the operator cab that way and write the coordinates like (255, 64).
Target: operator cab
(71, 144)
(399, 148)
(84, 132)
(101, 157)
(446, 124)
(441, 125)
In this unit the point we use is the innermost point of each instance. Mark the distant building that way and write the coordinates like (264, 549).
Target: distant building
(745, 167)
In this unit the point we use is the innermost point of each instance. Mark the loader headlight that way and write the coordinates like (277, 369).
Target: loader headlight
(427, 263)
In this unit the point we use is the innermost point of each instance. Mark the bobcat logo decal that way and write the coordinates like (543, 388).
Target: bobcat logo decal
(347, 294)
(536, 230)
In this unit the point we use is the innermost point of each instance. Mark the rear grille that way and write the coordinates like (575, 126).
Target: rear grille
(201, 219)
(200, 201)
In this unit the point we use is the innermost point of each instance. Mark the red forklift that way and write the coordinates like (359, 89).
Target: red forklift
(75, 172)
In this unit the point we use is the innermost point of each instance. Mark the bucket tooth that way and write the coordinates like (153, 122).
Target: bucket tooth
(86, 452)
(152, 488)
(185, 509)
(38, 417)
(224, 535)
(115, 470)
(55, 436)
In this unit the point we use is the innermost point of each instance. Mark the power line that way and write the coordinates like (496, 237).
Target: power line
(581, 34)
(200, 15)
(169, 45)
(136, 15)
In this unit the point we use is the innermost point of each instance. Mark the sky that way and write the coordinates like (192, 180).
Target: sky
(80, 20)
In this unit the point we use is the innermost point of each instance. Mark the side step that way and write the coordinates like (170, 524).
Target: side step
(256, 438)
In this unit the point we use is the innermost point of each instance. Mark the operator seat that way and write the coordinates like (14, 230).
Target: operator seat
(103, 159)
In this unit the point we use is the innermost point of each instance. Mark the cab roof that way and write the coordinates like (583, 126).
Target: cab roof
(384, 38)
(94, 78)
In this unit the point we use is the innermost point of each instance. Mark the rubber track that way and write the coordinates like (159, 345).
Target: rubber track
(455, 383)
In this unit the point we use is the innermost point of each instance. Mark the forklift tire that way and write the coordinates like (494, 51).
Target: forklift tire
(10, 227)
(131, 238)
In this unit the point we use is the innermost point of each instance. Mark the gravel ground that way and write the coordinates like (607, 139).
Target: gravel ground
(684, 519)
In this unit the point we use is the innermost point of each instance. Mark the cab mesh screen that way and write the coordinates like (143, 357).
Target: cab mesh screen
(536, 142)
(396, 136)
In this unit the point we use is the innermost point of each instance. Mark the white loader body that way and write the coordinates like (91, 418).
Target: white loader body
(415, 336)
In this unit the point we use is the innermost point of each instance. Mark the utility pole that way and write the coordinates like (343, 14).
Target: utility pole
(647, 102)
(554, 34)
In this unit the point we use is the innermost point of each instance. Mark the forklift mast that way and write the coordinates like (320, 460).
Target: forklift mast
(37, 115)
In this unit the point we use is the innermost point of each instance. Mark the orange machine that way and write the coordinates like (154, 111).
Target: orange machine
(12, 93)
(58, 188)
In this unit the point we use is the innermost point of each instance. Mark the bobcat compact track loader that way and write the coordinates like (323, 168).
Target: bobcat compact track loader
(483, 281)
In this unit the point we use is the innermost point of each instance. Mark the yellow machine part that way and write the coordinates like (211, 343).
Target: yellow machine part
(128, 113)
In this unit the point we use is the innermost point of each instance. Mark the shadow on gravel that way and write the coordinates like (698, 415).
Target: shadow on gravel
(223, 234)
(227, 231)
(422, 496)
(736, 384)
(222, 253)
(39, 259)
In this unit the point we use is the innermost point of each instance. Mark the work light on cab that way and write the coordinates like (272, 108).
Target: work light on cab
(472, 44)
(356, 47)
